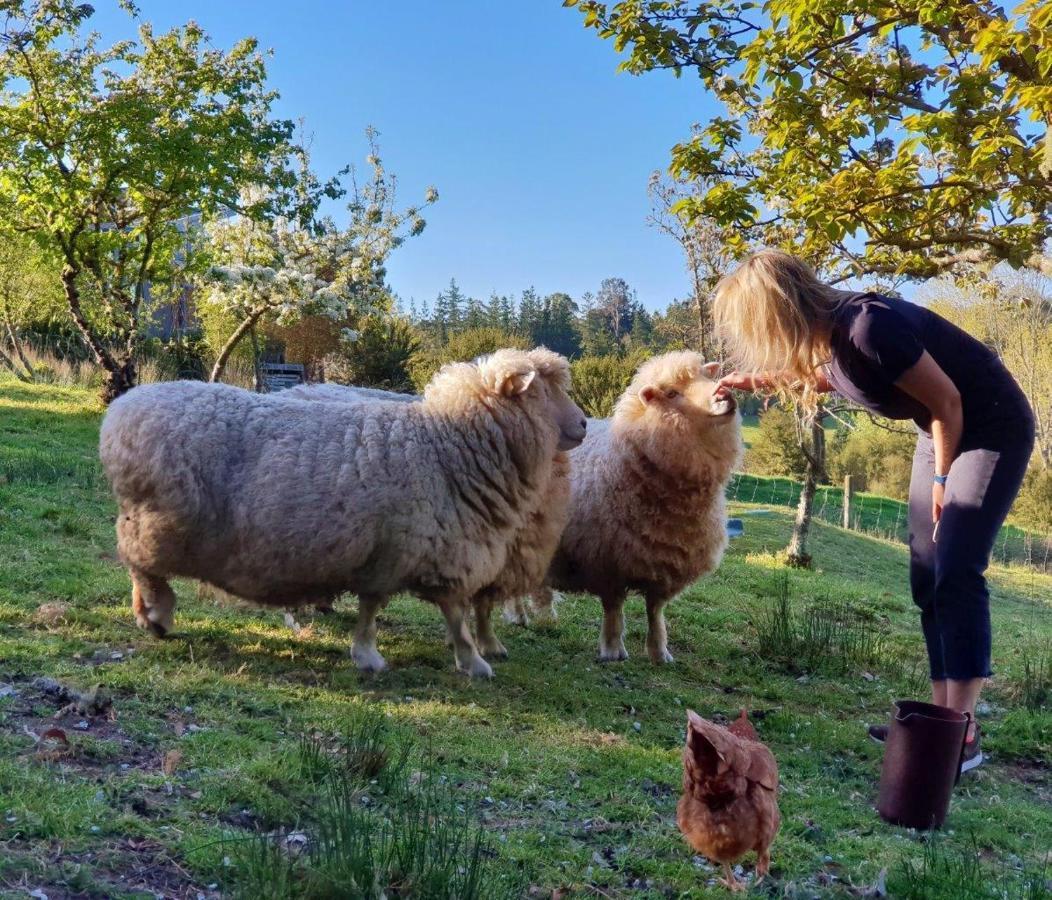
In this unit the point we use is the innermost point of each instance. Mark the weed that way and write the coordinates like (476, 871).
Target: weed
(825, 637)
(1035, 687)
(945, 873)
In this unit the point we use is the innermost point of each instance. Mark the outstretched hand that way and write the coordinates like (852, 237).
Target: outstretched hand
(738, 381)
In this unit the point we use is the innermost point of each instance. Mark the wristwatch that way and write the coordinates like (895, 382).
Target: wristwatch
(941, 479)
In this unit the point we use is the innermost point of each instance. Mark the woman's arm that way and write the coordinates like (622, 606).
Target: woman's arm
(930, 385)
(765, 381)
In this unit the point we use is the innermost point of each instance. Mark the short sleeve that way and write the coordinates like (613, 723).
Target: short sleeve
(886, 339)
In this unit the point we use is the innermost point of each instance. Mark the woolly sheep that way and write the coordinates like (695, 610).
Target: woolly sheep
(535, 542)
(647, 504)
(267, 500)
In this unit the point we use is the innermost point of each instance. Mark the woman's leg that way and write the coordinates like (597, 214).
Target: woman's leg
(922, 561)
(982, 485)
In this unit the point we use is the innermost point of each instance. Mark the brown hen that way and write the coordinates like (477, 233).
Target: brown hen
(730, 795)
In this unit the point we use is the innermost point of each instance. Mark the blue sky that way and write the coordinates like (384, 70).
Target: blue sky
(539, 148)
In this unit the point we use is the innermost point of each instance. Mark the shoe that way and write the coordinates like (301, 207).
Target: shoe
(878, 733)
(973, 754)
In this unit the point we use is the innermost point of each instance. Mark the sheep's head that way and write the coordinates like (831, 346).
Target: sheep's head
(678, 390)
(534, 382)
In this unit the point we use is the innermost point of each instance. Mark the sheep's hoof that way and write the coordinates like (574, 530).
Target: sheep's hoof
(479, 668)
(661, 656)
(158, 628)
(613, 654)
(514, 617)
(496, 651)
(368, 659)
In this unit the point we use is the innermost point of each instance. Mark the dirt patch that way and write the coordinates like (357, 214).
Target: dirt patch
(80, 730)
(1035, 776)
(130, 866)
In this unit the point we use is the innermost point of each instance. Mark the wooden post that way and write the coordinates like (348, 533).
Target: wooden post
(849, 496)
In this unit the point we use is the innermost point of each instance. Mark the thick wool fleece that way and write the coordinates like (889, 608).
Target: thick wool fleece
(533, 546)
(647, 507)
(271, 501)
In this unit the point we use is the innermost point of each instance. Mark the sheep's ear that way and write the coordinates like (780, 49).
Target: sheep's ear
(515, 383)
(649, 394)
(710, 370)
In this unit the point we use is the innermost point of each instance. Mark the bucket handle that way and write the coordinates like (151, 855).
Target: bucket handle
(964, 743)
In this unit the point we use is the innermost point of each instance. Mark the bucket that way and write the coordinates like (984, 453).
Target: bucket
(922, 762)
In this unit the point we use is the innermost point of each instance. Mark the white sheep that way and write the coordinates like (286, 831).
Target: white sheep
(534, 544)
(268, 500)
(648, 508)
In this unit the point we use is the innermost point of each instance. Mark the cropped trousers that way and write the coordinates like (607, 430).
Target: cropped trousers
(947, 574)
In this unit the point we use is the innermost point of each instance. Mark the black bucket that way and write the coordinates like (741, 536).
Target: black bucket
(922, 762)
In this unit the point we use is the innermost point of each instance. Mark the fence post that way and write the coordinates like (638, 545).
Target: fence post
(849, 496)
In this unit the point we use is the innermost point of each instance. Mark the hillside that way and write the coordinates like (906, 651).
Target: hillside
(571, 767)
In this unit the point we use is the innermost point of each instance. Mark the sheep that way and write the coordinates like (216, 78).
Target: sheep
(535, 542)
(647, 504)
(269, 501)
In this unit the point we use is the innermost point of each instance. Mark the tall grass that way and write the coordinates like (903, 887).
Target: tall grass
(825, 637)
(378, 831)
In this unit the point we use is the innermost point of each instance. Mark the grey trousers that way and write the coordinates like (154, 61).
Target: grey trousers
(947, 576)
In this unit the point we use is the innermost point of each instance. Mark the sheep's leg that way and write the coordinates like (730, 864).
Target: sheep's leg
(363, 650)
(612, 637)
(488, 643)
(542, 601)
(464, 650)
(153, 602)
(515, 611)
(657, 635)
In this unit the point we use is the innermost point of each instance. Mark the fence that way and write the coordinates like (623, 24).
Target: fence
(879, 516)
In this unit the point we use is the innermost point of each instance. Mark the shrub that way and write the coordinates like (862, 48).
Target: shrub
(878, 460)
(462, 347)
(776, 448)
(380, 357)
(1033, 506)
(598, 381)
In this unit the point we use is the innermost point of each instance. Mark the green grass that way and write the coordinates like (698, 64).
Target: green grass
(232, 728)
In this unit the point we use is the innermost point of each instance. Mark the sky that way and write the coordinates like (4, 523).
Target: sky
(539, 148)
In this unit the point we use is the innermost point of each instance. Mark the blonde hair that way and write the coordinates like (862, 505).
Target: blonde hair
(772, 313)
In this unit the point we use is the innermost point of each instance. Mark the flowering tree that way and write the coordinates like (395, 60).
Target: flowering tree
(296, 264)
(107, 152)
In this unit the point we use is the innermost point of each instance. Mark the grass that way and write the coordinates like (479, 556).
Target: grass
(240, 731)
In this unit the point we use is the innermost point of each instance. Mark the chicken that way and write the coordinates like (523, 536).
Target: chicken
(730, 794)
(742, 727)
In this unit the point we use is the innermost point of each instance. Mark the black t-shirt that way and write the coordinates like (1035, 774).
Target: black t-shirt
(875, 339)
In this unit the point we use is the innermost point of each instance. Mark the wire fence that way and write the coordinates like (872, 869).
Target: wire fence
(880, 516)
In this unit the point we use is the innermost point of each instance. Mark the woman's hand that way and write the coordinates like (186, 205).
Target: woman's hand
(741, 381)
(938, 495)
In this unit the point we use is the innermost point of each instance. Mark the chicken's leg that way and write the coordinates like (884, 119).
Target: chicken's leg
(763, 864)
(729, 881)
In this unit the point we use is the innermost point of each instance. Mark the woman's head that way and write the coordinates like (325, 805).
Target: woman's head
(773, 314)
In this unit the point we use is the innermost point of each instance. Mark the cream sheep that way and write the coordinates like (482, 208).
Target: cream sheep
(267, 500)
(647, 508)
(535, 542)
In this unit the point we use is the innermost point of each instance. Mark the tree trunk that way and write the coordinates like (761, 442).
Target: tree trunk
(8, 363)
(814, 447)
(121, 374)
(224, 355)
(257, 362)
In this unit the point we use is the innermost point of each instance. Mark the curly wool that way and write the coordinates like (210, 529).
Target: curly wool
(534, 544)
(648, 508)
(271, 501)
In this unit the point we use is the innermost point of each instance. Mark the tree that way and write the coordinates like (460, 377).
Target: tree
(530, 312)
(30, 293)
(1012, 313)
(107, 153)
(449, 311)
(616, 302)
(705, 248)
(558, 329)
(900, 137)
(296, 265)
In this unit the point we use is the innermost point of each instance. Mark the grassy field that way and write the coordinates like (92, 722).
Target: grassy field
(203, 765)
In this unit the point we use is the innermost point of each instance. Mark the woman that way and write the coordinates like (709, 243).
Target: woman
(789, 331)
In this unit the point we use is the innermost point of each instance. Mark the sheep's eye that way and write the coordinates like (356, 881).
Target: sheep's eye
(671, 393)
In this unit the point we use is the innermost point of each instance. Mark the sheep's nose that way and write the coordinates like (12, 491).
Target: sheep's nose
(584, 424)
